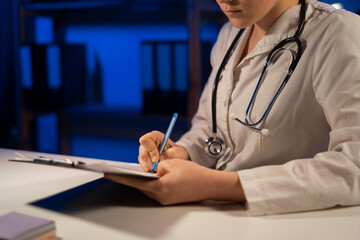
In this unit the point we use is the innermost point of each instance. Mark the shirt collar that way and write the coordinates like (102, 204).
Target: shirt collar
(283, 28)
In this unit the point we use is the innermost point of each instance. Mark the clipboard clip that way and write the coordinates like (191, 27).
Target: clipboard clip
(50, 161)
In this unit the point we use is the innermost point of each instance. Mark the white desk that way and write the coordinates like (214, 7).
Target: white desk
(85, 206)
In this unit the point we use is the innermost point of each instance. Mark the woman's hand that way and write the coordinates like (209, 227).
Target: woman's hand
(185, 181)
(149, 150)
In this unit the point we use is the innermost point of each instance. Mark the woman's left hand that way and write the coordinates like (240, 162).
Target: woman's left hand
(185, 181)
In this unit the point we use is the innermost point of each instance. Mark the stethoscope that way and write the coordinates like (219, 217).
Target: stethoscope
(214, 145)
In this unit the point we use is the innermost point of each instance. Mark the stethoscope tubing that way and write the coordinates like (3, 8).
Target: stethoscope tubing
(218, 77)
(293, 39)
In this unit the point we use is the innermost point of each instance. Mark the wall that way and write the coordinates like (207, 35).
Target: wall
(119, 50)
(350, 5)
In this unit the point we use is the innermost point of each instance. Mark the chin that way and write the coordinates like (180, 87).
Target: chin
(239, 23)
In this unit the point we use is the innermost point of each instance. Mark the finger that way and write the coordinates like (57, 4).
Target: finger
(150, 142)
(144, 159)
(144, 154)
(169, 144)
(169, 153)
(145, 166)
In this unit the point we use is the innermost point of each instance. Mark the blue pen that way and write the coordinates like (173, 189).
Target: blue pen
(165, 139)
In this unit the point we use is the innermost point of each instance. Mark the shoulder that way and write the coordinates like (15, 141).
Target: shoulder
(332, 29)
(333, 20)
(332, 39)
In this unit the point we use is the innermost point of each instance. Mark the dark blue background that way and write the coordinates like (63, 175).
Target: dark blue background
(117, 48)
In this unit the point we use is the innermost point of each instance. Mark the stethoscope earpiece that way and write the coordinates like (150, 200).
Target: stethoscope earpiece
(214, 147)
(263, 131)
(233, 116)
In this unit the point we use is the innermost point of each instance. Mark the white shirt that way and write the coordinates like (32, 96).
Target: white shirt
(311, 157)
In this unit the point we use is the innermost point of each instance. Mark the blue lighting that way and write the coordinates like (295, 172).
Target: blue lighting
(349, 5)
(119, 51)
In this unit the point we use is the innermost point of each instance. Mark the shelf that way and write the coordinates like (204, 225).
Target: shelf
(66, 5)
(69, 5)
(114, 122)
(110, 11)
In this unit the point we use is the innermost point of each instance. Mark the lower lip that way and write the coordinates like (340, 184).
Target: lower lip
(232, 13)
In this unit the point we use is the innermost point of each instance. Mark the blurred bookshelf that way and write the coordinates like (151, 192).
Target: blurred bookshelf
(113, 121)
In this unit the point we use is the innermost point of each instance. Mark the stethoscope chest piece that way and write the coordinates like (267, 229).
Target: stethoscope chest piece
(214, 147)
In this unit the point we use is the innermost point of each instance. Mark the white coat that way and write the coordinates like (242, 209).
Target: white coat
(311, 157)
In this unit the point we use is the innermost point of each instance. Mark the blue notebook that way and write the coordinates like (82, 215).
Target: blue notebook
(16, 225)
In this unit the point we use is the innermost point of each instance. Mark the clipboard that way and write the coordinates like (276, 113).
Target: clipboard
(121, 168)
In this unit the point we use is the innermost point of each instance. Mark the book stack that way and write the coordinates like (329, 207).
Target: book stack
(16, 225)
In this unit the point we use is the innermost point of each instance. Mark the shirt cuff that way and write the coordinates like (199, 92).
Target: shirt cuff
(254, 193)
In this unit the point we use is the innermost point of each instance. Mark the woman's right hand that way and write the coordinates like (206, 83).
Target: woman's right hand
(149, 150)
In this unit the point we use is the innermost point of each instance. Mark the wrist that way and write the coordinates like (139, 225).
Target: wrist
(226, 186)
(185, 153)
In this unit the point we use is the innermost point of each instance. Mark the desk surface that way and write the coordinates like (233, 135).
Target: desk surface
(86, 206)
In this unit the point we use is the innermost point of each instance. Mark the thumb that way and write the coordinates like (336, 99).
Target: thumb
(163, 168)
(169, 153)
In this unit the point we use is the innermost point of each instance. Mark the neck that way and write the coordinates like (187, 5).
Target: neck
(262, 26)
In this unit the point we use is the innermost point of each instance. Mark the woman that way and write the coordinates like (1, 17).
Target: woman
(293, 151)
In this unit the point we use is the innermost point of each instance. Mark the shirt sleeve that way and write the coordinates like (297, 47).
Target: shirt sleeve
(330, 178)
(194, 139)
